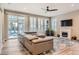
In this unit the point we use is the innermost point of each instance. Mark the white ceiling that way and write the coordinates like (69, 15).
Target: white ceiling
(35, 8)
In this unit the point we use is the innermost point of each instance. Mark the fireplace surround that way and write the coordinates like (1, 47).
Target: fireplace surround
(66, 32)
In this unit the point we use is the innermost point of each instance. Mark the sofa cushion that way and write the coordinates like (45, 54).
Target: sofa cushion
(42, 39)
(30, 37)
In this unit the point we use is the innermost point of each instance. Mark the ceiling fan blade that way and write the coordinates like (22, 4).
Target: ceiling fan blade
(54, 10)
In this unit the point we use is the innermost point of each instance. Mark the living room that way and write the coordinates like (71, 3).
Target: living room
(52, 24)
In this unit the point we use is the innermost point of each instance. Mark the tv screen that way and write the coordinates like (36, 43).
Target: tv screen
(66, 22)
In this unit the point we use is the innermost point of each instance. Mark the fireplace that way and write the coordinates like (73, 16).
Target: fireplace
(64, 34)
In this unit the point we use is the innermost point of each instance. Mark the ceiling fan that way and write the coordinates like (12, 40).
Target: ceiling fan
(49, 10)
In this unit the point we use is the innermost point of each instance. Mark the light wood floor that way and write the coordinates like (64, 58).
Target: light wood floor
(69, 50)
(73, 50)
(13, 47)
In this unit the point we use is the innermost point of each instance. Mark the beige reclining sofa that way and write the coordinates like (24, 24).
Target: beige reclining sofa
(36, 45)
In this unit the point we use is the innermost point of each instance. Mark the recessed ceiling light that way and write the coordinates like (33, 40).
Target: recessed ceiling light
(73, 5)
(24, 8)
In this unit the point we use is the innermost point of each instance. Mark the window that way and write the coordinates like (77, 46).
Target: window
(32, 25)
(35, 23)
(21, 24)
(40, 24)
(54, 24)
(45, 24)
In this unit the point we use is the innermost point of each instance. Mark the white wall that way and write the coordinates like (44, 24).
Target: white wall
(0, 30)
(72, 15)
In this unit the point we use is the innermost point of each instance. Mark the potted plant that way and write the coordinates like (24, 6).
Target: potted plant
(49, 32)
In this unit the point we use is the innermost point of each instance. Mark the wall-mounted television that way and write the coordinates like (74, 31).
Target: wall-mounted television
(67, 22)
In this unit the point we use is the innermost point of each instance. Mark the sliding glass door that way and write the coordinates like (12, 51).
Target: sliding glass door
(12, 26)
(15, 25)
